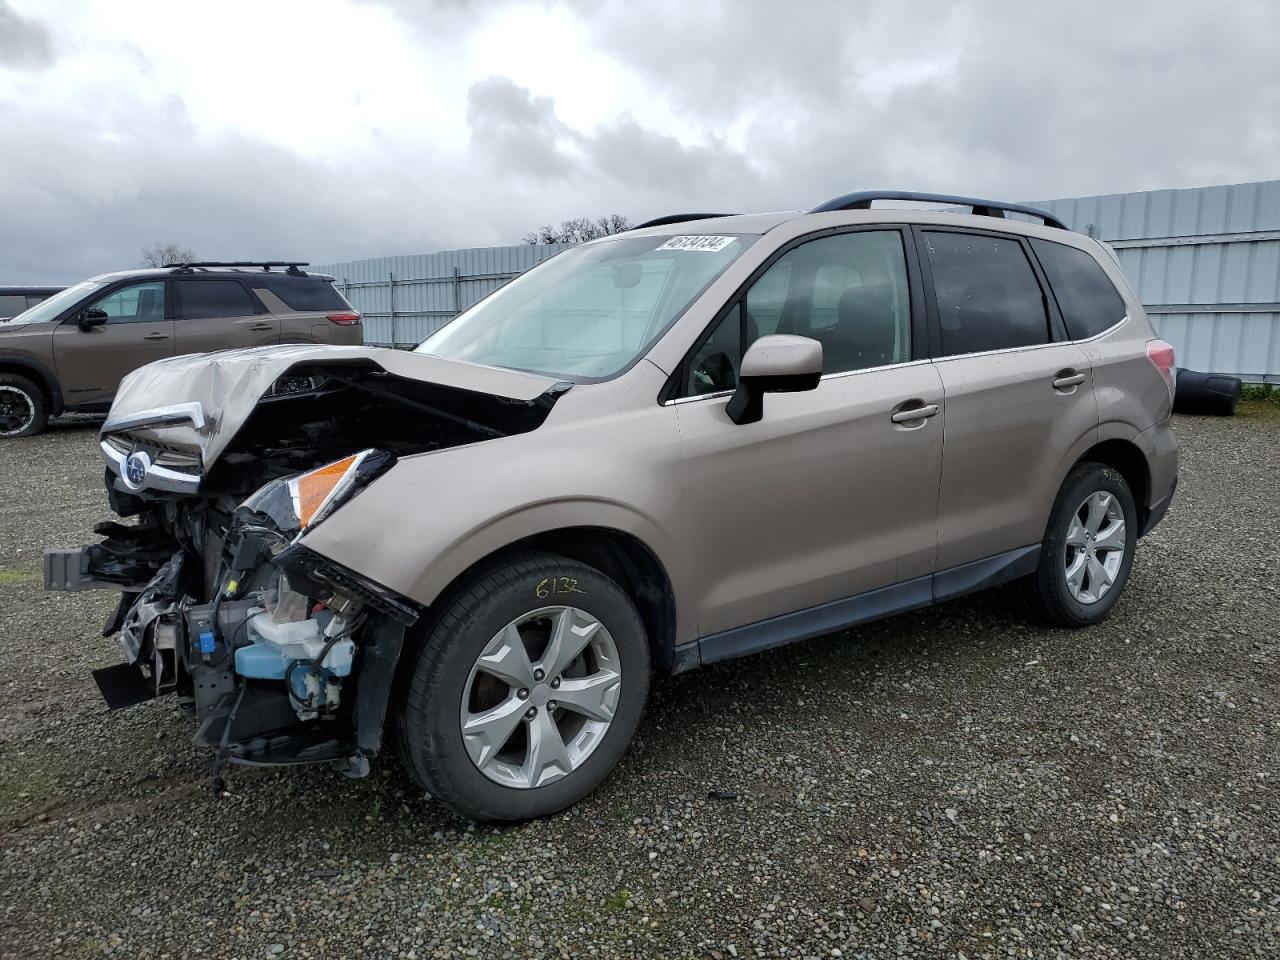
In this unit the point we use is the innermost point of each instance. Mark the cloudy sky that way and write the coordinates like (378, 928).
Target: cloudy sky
(337, 129)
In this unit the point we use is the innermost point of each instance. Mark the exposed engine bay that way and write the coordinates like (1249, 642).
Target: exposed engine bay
(281, 655)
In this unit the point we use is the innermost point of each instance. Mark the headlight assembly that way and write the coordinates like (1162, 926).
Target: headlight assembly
(294, 504)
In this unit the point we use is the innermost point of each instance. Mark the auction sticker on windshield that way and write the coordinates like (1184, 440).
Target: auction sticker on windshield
(703, 244)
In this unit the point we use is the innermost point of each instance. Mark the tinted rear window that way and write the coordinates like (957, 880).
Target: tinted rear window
(988, 296)
(1087, 298)
(203, 299)
(303, 293)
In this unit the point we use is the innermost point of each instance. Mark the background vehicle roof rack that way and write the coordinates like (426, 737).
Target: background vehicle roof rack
(679, 218)
(981, 208)
(292, 266)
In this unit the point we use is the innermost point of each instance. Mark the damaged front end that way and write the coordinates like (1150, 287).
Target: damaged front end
(283, 655)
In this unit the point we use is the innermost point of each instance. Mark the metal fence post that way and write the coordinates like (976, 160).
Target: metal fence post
(391, 307)
(457, 291)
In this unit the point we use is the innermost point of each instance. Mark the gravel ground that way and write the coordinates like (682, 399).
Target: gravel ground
(954, 782)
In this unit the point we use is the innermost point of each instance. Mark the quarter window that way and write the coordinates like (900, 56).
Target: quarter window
(1086, 296)
(987, 294)
(206, 299)
(848, 291)
(136, 303)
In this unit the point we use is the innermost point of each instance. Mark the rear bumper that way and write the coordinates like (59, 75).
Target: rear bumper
(1159, 445)
(1157, 510)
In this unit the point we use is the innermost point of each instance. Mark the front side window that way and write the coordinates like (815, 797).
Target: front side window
(988, 296)
(136, 303)
(210, 299)
(1086, 296)
(847, 291)
(591, 311)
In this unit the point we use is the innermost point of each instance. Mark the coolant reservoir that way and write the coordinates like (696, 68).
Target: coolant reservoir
(276, 645)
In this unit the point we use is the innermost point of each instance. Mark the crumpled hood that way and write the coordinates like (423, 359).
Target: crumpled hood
(200, 400)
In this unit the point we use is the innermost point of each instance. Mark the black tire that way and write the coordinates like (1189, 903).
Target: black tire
(429, 726)
(1047, 588)
(1211, 394)
(15, 421)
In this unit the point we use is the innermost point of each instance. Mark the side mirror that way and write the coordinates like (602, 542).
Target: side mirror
(91, 317)
(776, 364)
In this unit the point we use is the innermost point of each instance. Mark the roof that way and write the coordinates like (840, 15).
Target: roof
(204, 272)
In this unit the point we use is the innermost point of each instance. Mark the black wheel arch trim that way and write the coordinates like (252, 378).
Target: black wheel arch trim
(43, 375)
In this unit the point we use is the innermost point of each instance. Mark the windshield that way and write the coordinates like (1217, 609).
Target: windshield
(48, 309)
(591, 311)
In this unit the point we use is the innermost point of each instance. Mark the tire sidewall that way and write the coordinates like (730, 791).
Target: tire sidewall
(1081, 483)
(432, 725)
(39, 408)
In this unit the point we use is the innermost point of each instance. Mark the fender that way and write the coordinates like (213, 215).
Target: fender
(469, 546)
(43, 375)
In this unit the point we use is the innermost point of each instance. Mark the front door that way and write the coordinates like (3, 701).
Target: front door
(834, 492)
(219, 313)
(92, 362)
(1019, 397)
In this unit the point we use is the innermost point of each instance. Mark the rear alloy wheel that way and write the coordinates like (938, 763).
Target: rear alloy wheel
(1088, 547)
(23, 409)
(526, 691)
(1096, 545)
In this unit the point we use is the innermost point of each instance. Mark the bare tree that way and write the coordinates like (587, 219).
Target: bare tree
(161, 254)
(579, 230)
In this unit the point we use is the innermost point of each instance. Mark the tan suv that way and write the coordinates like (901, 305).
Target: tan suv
(692, 441)
(68, 353)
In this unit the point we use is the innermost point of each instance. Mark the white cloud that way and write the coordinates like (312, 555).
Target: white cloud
(332, 129)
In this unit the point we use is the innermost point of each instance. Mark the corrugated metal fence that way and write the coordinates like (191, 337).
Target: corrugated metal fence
(1205, 263)
(405, 299)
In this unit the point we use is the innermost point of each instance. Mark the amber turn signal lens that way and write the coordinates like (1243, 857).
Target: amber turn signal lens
(312, 489)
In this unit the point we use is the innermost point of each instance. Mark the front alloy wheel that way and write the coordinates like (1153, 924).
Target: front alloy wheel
(527, 687)
(541, 697)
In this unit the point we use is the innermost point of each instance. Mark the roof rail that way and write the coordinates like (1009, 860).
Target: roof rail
(291, 265)
(679, 218)
(980, 208)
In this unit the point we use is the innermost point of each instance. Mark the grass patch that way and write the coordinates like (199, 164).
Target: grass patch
(32, 783)
(617, 901)
(1265, 392)
(12, 576)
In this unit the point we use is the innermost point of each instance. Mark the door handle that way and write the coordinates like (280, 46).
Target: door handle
(911, 414)
(156, 336)
(262, 326)
(1067, 380)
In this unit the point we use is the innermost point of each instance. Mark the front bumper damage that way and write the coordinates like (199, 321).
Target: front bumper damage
(220, 465)
(316, 712)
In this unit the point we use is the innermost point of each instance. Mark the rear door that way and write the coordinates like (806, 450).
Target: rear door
(1019, 397)
(92, 362)
(219, 313)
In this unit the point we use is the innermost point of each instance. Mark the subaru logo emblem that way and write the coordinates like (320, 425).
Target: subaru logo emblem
(135, 470)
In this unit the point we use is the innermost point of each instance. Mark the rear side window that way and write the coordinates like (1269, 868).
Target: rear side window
(306, 294)
(1086, 296)
(988, 296)
(206, 299)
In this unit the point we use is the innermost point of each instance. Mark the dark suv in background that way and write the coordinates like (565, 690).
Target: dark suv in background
(14, 300)
(70, 352)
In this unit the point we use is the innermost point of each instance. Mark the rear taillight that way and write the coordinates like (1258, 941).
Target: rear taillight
(1161, 356)
(344, 319)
